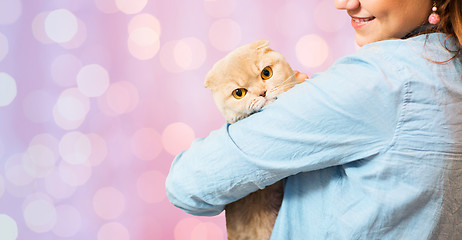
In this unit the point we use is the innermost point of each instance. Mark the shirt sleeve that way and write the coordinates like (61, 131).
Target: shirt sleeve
(344, 114)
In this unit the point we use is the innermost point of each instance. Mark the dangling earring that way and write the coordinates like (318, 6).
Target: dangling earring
(434, 18)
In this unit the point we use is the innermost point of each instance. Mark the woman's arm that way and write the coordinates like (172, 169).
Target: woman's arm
(338, 116)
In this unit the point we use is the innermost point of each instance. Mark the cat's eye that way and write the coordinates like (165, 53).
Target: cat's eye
(239, 93)
(266, 73)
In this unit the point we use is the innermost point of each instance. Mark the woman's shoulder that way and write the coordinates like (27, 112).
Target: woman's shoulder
(432, 46)
(395, 55)
(422, 40)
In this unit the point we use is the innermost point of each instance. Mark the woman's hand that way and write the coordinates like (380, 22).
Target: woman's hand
(300, 77)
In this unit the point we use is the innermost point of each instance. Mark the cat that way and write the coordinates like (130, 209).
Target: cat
(244, 81)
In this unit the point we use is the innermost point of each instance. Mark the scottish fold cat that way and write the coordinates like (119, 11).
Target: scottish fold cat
(244, 81)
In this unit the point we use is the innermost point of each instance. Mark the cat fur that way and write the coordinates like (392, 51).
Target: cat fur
(252, 217)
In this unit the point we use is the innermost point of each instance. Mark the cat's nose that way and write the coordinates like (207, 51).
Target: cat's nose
(263, 94)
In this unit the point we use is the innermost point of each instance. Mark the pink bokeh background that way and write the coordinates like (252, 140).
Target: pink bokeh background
(98, 96)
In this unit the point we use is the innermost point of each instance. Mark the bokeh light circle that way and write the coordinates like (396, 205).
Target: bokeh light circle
(177, 137)
(151, 186)
(131, 6)
(113, 231)
(144, 36)
(47, 140)
(185, 54)
(146, 144)
(15, 172)
(312, 50)
(219, 8)
(189, 53)
(74, 175)
(8, 89)
(108, 203)
(167, 57)
(56, 187)
(194, 229)
(106, 6)
(10, 11)
(40, 215)
(121, 97)
(8, 228)
(225, 34)
(68, 221)
(144, 32)
(143, 43)
(71, 109)
(61, 25)
(144, 20)
(38, 28)
(75, 148)
(207, 231)
(93, 80)
(38, 161)
(98, 149)
(184, 228)
(79, 37)
(3, 46)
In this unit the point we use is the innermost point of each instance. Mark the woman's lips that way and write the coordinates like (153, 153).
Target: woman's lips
(360, 22)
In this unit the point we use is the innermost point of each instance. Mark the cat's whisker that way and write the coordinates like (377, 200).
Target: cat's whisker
(290, 78)
(281, 87)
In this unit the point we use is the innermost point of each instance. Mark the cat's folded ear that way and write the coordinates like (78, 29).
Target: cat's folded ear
(261, 45)
(209, 79)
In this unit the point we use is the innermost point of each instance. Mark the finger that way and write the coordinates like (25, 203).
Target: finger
(300, 77)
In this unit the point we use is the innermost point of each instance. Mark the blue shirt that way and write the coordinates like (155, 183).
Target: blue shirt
(370, 149)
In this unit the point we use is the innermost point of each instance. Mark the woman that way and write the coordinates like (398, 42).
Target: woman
(370, 149)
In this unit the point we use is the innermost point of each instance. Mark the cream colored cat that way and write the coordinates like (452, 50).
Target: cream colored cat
(247, 79)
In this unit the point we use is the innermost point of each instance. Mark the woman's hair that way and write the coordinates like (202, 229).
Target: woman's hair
(450, 12)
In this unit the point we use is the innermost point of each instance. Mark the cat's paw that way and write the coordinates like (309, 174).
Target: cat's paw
(257, 104)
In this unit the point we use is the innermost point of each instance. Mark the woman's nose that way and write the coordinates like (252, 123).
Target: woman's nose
(347, 4)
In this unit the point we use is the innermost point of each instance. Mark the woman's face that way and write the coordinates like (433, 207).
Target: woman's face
(375, 20)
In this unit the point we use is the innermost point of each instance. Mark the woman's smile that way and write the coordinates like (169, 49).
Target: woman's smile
(360, 22)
